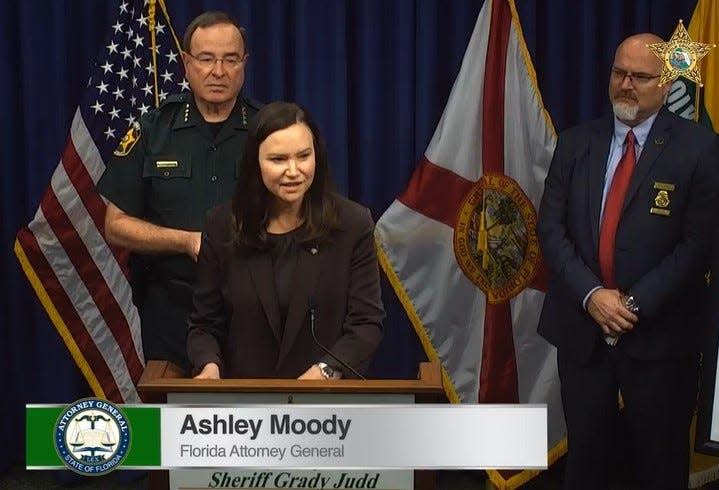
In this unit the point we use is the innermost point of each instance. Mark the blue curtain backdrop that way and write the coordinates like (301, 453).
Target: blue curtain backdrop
(375, 73)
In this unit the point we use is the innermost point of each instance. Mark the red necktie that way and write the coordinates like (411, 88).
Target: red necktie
(613, 209)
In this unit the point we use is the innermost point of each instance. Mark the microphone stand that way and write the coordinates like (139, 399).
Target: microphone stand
(327, 351)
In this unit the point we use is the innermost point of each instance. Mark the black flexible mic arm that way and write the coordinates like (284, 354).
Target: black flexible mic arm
(313, 311)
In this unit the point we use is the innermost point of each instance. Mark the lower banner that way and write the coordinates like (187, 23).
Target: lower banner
(285, 446)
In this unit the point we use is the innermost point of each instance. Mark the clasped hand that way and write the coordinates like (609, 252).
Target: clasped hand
(607, 308)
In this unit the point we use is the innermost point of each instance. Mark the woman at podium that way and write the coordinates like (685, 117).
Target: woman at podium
(287, 278)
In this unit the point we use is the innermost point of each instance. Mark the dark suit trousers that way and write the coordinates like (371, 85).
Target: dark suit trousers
(659, 398)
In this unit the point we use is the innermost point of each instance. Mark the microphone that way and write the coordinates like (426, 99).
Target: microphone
(313, 312)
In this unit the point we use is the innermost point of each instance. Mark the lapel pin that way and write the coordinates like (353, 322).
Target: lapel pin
(659, 140)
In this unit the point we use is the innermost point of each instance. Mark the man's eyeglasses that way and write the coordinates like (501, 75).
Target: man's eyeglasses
(635, 78)
(208, 61)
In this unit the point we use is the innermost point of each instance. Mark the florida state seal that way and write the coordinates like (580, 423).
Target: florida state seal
(495, 240)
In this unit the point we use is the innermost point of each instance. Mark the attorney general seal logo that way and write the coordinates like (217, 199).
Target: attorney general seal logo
(92, 436)
(495, 240)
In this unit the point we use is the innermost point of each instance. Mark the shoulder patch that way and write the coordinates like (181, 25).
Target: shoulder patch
(128, 142)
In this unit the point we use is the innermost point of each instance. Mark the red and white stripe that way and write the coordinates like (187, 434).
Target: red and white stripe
(80, 279)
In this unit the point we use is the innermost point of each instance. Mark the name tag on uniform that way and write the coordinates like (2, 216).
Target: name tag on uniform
(664, 186)
(166, 164)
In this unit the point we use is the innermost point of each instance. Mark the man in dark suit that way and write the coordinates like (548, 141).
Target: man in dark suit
(624, 226)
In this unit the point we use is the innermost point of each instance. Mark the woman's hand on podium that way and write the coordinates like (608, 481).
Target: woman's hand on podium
(210, 371)
(313, 372)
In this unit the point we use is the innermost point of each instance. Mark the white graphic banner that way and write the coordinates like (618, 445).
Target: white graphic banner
(355, 436)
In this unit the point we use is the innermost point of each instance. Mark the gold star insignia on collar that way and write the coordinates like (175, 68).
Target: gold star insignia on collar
(680, 56)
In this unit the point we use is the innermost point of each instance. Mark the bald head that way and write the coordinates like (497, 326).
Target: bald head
(634, 83)
(635, 47)
(643, 38)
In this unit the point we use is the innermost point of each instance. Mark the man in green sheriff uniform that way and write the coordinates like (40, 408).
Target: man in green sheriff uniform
(178, 162)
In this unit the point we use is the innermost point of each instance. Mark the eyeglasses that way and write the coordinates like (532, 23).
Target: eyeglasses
(635, 78)
(231, 62)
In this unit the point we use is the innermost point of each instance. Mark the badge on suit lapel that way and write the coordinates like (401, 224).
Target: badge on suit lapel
(662, 200)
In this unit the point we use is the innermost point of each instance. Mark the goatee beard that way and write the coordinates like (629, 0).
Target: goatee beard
(625, 112)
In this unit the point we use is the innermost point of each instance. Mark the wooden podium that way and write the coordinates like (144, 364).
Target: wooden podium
(163, 382)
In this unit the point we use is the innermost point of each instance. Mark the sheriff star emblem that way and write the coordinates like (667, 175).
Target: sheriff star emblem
(680, 56)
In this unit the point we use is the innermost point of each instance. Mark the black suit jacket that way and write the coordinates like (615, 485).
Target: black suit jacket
(659, 259)
(236, 317)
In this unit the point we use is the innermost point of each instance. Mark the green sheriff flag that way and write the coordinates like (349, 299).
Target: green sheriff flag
(704, 26)
(686, 98)
(702, 106)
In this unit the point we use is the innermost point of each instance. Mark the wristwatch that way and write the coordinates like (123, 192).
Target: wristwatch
(632, 305)
(328, 372)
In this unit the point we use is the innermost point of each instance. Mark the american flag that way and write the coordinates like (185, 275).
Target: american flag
(80, 280)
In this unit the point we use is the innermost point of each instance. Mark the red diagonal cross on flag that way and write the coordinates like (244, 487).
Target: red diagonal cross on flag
(459, 245)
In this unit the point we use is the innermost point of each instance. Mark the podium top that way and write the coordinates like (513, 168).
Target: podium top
(161, 377)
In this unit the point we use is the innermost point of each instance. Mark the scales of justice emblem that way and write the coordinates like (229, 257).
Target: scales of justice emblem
(92, 436)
